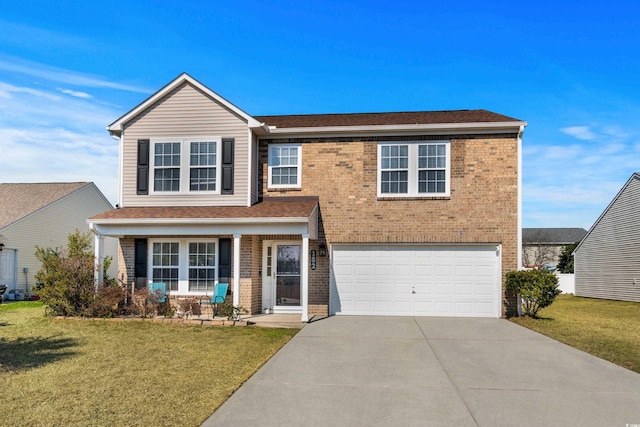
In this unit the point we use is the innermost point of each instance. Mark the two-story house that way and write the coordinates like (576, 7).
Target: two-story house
(407, 213)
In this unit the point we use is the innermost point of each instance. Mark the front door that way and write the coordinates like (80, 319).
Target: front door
(281, 276)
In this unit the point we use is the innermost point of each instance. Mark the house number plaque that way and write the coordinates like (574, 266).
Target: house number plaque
(313, 259)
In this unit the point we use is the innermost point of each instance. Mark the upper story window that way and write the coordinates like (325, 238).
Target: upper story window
(413, 169)
(285, 162)
(202, 172)
(181, 165)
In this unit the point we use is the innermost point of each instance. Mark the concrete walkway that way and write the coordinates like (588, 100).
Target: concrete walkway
(405, 371)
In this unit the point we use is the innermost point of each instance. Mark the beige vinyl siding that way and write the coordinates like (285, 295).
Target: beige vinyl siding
(50, 227)
(182, 113)
(607, 263)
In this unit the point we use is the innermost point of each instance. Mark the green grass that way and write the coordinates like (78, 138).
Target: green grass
(606, 329)
(133, 373)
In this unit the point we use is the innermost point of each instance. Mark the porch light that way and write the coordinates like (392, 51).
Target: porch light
(322, 249)
(1, 246)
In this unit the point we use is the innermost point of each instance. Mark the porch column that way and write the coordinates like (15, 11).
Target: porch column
(98, 243)
(304, 292)
(236, 269)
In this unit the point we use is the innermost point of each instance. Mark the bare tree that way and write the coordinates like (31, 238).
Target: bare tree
(536, 251)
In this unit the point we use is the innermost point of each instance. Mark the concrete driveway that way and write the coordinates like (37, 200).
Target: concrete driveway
(425, 371)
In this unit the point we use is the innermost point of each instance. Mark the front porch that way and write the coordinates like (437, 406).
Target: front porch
(273, 265)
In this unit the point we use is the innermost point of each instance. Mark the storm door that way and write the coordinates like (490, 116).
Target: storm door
(287, 275)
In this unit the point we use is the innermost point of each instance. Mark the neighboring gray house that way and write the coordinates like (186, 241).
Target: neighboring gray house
(607, 260)
(541, 247)
(43, 214)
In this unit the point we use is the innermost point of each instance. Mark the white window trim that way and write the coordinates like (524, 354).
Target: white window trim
(299, 166)
(183, 262)
(185, 164)
(412, 184)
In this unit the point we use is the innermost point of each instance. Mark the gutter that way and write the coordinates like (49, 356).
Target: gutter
(482, 127)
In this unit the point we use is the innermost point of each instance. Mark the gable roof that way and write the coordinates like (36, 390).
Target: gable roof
(116, 127)
(20, 200)
(634, 176)
(562, 236)
(391, 118)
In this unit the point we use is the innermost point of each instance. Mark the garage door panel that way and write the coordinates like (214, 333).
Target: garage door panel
(415, 280)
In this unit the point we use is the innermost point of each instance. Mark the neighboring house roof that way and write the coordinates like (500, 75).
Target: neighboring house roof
(634, 176)
(378, 119)
(276, 207)
(20, 200)
(551, 236)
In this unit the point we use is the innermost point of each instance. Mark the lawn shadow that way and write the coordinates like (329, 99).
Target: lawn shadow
(28, 353)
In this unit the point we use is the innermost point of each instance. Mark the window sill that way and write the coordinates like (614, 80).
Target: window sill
(283, 190)
(386, 198)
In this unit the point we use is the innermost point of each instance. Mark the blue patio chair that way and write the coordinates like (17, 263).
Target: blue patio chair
(160, 289)
(219, 295)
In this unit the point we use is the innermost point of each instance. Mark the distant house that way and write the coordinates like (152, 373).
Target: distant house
(43, 214)
(541, 247)
(607, 260)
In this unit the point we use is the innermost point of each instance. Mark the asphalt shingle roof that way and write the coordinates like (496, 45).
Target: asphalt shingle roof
(20, 200)
(372, 119)
(553, 235)
(275, 207)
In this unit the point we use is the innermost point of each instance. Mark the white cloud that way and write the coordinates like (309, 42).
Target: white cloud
(580, 132)
(7, 90)
(60, 75)
(50, 155)
(46, 136)
(75, 93)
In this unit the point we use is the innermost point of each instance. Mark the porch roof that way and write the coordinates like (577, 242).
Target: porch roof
(274, 215)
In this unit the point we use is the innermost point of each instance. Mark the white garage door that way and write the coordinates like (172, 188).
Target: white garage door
(415, 280)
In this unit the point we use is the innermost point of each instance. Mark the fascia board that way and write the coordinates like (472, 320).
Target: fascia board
(198, 221)
(484, 127)
(118, 125)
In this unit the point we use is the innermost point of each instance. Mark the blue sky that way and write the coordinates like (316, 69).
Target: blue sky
(568, 68)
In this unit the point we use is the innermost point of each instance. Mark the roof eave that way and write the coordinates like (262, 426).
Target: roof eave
(199, 221)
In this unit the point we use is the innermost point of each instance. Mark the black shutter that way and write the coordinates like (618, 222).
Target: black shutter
(224, 261)
(142, 184)
(140, 263)
(227, 165)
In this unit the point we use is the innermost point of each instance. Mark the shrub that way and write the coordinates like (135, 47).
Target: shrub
(230, 311)
(66, 279)
(109, 301)
(189, 307)
(537, 289)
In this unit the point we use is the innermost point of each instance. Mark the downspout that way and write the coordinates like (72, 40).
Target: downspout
(519, 251)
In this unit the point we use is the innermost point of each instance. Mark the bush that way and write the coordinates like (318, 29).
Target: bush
(66, 280)
(189, 307)
(109, 301)
(230, 311)
(537, 289)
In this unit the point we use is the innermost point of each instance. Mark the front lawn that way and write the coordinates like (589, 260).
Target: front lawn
(133, 373)
(607, 329)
